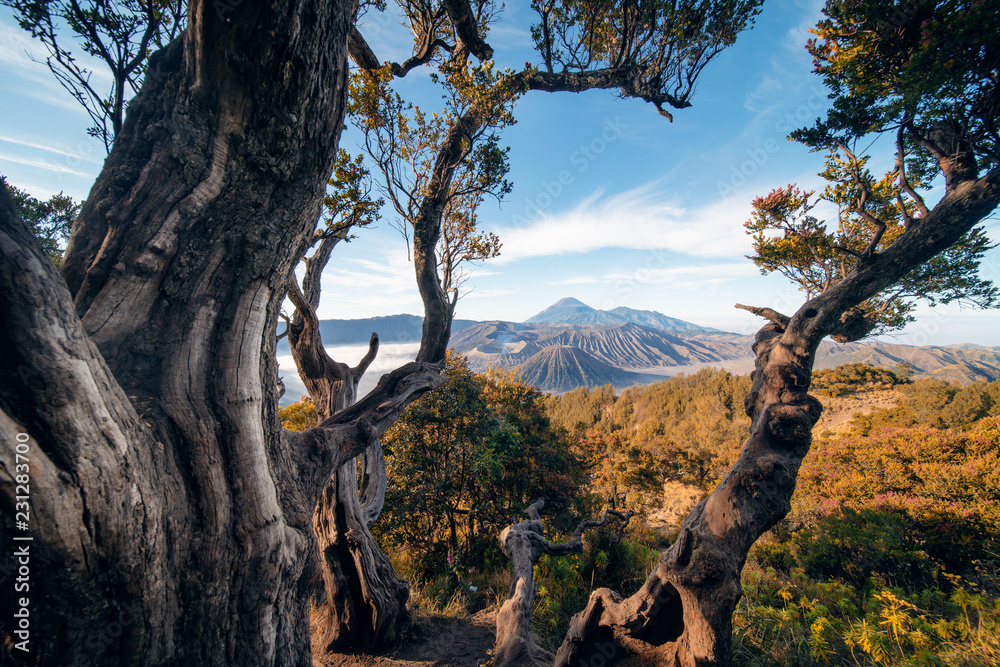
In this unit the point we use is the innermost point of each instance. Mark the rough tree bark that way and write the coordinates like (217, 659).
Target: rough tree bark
(171, 514)
(517, 645)
(365, 599)
(683, 613)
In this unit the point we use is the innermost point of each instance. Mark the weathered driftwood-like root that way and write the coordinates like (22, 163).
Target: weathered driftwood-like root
(653, 614)
(704, 565)
(523, 543)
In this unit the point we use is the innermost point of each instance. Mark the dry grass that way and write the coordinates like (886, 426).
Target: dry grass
(676, 501)
(839, 410)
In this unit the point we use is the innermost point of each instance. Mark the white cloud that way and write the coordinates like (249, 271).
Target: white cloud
(41, 164)
(382, 283)
(641, 219)
(26, 58)
(765, 96)
(388, 277)
(689, 276)
(485, 294)
(797, 36)
(84, 151)
(24, 55)
(579, 280)
(510, 37)
(390, 357)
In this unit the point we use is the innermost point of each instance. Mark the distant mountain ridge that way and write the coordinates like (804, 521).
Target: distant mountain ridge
(625, 346)
(964, 362)
(574, 311)
(390, 329)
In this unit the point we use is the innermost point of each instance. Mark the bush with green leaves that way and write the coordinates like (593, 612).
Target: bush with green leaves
(463, 462)
(934, 403)
(687, 428)
(890, 556)
(609, 560)
(851, 379)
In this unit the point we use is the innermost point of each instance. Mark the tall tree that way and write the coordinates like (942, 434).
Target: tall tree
(170, 513)
(120, 35)
(926, 74)
(366, 601)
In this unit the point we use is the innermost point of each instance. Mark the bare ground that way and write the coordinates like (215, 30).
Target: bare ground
(433, 641)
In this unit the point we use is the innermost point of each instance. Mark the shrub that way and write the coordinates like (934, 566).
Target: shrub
(851, 379)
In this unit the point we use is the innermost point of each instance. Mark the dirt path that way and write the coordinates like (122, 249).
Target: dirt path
(436, 641)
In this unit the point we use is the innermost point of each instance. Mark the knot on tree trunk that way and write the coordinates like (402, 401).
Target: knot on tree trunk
(790, 424)
(778, 402)
(853, 325)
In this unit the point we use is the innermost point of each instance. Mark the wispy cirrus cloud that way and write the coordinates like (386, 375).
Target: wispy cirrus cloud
(579, 280)
(49, 147)
(691, 277)
(487, 293)
(41, 164)
(642, 218)
(674, 274)
(26, 57)
(361, 286)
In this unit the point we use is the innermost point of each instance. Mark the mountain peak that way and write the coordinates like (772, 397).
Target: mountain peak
(566, 367)
(570, 302)
(563, 310)
(574, 311)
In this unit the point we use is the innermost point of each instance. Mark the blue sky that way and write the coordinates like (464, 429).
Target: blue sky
(612, 204)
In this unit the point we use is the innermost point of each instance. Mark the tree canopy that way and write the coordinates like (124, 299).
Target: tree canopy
(924, 76)
(146, 382)
(465, 460)
(50, 221)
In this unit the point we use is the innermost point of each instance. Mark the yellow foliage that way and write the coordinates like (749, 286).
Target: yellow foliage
(299, 416)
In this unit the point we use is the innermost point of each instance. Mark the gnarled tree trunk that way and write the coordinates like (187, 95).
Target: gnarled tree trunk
(365, 599)
(171, 515)
(683, 613)
(686, 605)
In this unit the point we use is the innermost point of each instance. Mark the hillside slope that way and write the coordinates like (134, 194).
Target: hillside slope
(965, 363)
(562, 368)
(625, 345)
(652, 351)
